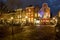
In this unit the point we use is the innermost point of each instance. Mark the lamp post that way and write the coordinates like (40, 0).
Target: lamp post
(26, 18)
(12, 29)
(12, 19)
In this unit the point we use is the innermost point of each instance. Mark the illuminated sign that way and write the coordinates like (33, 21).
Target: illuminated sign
(41, 13)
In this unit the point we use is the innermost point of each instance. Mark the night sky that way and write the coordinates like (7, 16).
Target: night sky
(53, 4)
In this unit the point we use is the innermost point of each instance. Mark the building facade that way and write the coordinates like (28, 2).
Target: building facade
(30, 13)
(45, 11)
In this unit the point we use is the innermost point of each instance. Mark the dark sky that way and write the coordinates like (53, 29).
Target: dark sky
(53, 4)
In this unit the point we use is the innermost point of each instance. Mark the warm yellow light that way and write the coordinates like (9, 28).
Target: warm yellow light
(19, 16)
(59, 13)
(1, 18)
(34, 19)
(53, 17)
(47, 20)
(8, 21)
(37, 21)
(38, 15)
(44, 16)
(35, 14)
(29, 10)
(26, 17)
(24, 20)
(11, 17)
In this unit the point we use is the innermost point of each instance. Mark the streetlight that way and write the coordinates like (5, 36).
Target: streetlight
(12, 27)
(26, 18)
(11, 18)
(53, 18)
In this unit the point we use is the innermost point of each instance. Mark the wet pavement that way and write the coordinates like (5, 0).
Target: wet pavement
(8, 32)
